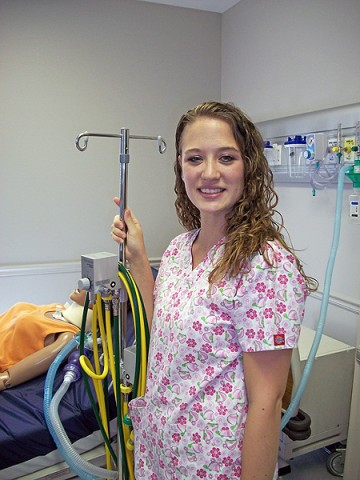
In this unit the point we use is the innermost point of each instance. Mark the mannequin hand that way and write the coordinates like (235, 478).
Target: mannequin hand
(4, 377)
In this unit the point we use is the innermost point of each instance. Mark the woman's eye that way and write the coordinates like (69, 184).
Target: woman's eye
(194, 159)
(226, 158)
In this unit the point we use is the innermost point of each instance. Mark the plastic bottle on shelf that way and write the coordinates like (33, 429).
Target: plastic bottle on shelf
(296, 147)
(269, 153)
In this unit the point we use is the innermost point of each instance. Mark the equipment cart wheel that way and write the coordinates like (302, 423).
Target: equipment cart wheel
(335, 462)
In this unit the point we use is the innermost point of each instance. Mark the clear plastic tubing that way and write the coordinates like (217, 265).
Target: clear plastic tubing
(324, 302)
(85, 470)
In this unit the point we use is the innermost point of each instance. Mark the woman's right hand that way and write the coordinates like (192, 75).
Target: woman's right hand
(129, 229)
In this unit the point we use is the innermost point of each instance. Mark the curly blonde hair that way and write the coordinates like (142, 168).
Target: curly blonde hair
(251, 223)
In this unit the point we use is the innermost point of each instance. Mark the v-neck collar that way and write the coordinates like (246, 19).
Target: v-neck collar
(204, 263)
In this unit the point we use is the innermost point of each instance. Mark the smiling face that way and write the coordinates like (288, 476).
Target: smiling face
(212, 167)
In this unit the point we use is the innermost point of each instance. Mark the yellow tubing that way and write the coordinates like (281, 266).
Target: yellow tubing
(109, 364)
(96, 375)
(100, 391)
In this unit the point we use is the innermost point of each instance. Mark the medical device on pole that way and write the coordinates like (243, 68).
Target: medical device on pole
(109, 287)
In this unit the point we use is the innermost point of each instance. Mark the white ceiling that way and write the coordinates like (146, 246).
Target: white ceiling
(219, 6)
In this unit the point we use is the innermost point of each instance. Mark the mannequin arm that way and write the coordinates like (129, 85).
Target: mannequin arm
(35, 364)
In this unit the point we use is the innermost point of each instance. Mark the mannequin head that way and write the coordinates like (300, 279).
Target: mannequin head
(73, 312)
(78, 296)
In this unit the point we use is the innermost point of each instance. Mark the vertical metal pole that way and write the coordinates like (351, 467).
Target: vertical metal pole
(124, 160)
(339, 139)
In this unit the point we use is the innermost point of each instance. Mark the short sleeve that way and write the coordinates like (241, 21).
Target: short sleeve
(271, 301)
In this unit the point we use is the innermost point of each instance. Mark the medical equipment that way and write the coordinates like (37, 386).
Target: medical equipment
(321, 152)
(352, 458)
(269, 152)
(272, 153)
(325, 300)
(84, 469)
(331, 378)
(295, 147)
(320, 161)
(110, 283)
(124, 158)
(27, 447)
(316, 146)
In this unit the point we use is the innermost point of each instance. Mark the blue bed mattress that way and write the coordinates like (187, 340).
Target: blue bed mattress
(23, 430)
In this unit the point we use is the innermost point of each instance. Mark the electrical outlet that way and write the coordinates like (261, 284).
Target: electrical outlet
(354, 210)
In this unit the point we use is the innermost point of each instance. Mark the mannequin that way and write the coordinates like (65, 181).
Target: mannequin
(31, 336)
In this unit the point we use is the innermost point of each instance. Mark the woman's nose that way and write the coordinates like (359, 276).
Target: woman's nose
(210, 169)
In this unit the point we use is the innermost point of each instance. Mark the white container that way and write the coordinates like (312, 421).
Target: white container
(296, 147)
(270, 153)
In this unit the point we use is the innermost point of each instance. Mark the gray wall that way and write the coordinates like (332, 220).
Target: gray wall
(74, 65)
(285, 57)
(282, 60)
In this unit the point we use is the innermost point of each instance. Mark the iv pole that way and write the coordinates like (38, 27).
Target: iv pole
(124, 159)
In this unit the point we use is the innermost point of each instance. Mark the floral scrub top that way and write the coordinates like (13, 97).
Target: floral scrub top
(190, 423)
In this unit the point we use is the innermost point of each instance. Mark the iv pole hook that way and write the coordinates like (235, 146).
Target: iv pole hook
(85, 135)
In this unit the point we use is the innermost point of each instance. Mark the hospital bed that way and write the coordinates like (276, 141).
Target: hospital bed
(27, 450)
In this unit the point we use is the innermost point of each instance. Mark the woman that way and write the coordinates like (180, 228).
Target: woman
(226, 310)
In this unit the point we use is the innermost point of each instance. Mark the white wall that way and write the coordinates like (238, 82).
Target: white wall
(284, 57)
(74, 65)
(281, 59)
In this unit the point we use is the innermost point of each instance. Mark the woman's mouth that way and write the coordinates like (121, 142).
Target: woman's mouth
(211, 190)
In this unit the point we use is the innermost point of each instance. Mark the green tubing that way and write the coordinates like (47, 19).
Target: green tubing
(125, 469)
(133, 287)
(136, 299)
